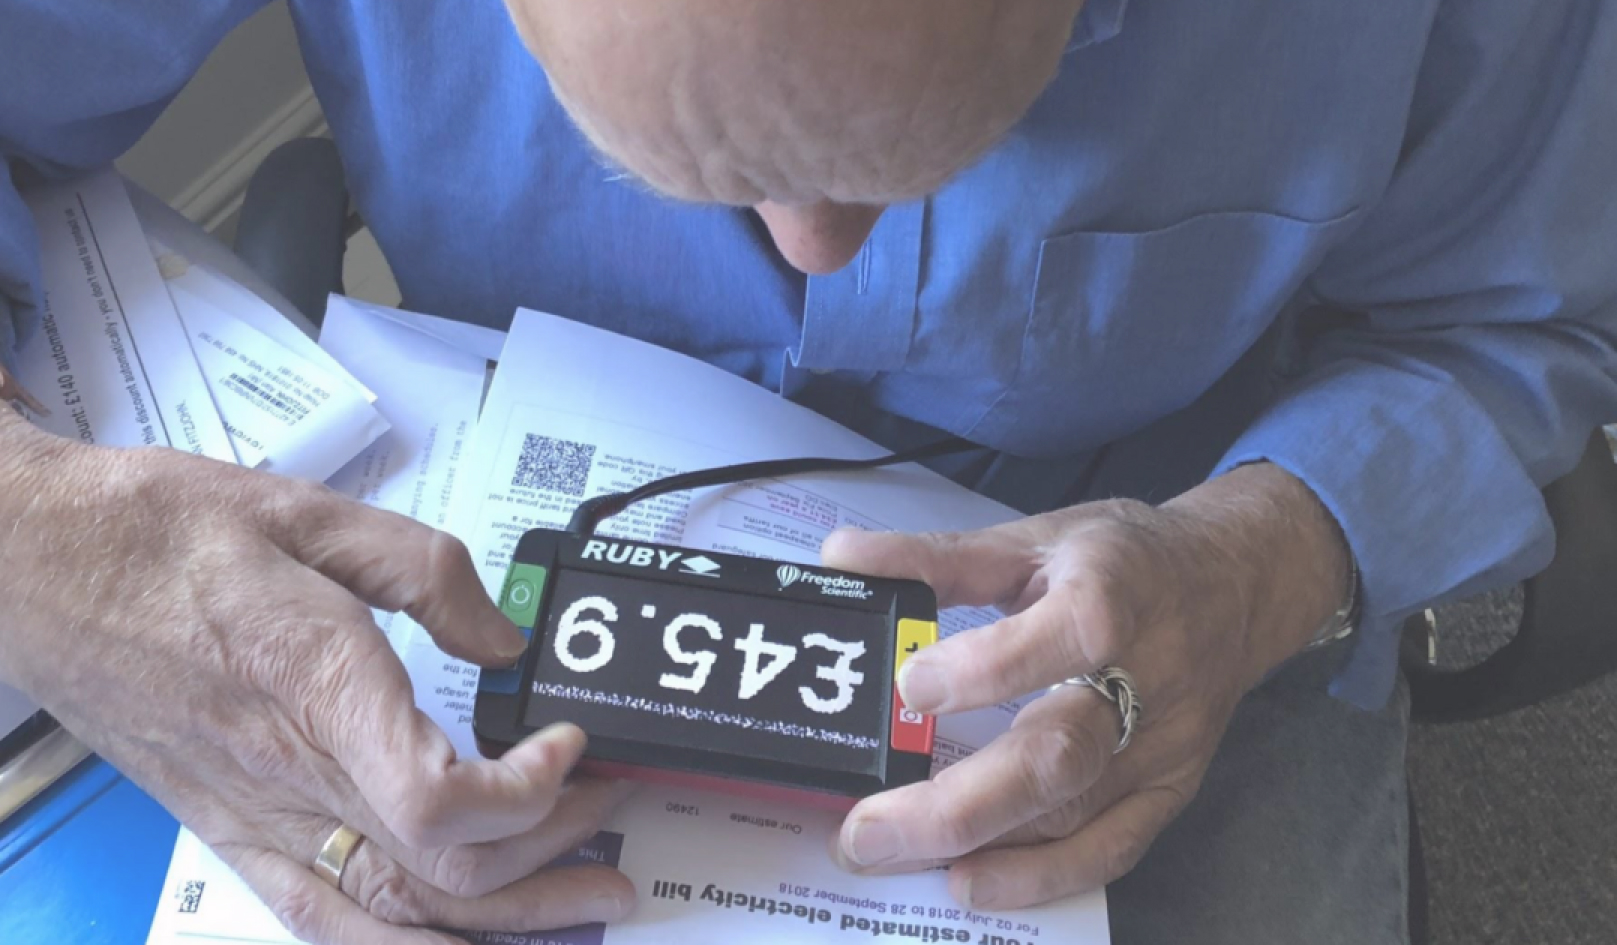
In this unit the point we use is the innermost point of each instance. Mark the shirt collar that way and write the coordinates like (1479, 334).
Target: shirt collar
(1098, 21)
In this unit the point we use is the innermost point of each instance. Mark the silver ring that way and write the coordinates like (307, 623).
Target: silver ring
(1119, 689)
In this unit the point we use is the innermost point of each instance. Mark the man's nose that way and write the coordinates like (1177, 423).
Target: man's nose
(822, 237)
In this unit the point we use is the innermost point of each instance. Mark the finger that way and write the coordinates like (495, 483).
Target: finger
(546, 899)
(388, 889)
(1101, 852)
(1123, 775)
(1056, 824)
(540, 899)
(1073, 816)
(360, 705)
(1041, 764)
(397, 564)
(894, 868)
(477, 869)
(1066, 633)
(311, 910)
(1155, 762)
(429, 798)
(964, 568)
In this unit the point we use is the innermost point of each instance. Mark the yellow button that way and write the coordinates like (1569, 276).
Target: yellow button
(912, 635)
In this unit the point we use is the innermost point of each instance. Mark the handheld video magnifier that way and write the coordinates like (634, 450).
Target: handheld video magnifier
(746, 675)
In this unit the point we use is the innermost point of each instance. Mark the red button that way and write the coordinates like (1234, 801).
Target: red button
(912, 731)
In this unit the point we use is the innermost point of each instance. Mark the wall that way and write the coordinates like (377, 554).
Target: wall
(250, 95)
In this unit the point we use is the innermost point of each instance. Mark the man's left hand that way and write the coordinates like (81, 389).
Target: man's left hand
(1198, 599)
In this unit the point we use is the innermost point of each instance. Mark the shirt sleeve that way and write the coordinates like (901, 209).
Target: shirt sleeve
(1460, 344)
(19, 270)
(79, 83)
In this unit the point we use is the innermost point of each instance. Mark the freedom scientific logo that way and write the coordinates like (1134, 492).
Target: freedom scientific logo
(830, 585)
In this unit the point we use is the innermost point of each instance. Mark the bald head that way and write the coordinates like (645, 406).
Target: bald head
(817, 112)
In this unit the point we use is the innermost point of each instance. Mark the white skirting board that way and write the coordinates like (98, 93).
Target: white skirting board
(217, 194)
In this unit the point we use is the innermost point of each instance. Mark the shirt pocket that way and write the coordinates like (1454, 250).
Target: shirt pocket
(1127, 327)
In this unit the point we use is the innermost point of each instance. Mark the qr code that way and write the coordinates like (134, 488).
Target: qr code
(191, 899)
(556, 465)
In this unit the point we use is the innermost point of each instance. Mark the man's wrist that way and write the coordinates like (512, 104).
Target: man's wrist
(16, 442)
(23, 448)
(31, 462)
(1282, 550)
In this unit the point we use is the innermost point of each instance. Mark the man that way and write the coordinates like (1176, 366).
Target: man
(1331, 283)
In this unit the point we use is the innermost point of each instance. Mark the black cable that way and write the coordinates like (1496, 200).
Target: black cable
(591, 512)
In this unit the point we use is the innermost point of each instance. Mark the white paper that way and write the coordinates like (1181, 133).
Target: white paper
(430, 394)
(111, 360)
(188, 278)
(709, 868)
(285, 413)
(486, 343)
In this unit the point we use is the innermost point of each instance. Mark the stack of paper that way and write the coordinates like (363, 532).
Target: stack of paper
(137, 351)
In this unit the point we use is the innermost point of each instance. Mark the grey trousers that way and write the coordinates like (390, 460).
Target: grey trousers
(1299, 834)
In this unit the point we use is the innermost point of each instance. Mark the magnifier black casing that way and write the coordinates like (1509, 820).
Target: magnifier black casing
(746, 675)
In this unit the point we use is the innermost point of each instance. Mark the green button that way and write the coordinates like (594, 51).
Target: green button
(524, 585)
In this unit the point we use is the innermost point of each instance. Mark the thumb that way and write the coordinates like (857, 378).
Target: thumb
(963, 568)
(397, 564)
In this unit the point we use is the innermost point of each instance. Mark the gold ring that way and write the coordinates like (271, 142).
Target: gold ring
(333, 858)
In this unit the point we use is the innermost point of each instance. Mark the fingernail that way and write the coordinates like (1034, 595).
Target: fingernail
(560, 731)
(508, 644)
(831, 548)
(872, 843)
(604, 909)
(923, 685)
(980, 891)
(563, 741)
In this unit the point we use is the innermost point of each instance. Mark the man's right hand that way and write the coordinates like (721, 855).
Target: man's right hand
(207, 629)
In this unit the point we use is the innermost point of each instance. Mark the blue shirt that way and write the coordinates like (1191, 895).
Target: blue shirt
(1425, 189)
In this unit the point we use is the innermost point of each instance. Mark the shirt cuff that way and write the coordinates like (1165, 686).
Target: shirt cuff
(1432, 501)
